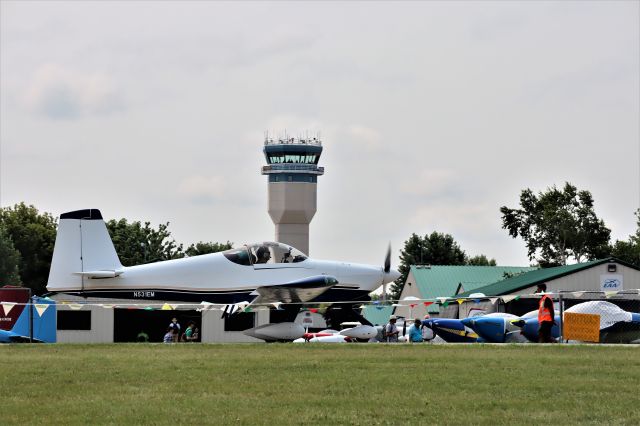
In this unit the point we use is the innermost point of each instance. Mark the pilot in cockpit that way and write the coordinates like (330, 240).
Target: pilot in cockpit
(286, 257)
(262, 255)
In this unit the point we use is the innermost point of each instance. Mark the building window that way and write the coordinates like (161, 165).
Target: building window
(74, 320)
(240, 322)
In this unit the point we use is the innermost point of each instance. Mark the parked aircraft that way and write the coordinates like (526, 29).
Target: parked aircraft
(616, 324)
(451, 330)
(496, 327)
(86, 264)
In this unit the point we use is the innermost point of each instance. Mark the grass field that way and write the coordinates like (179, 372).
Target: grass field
(312, 384)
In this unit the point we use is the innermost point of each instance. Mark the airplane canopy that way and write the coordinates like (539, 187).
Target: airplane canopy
(265, 253)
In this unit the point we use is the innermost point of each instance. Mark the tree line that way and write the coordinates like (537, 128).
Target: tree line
(557, 225)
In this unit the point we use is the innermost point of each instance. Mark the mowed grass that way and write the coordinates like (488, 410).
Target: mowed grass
(318, 384)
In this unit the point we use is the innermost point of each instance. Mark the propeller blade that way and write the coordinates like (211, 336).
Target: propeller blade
(387, 260)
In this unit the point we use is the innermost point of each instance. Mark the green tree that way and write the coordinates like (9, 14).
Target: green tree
(205, 248)
(9, 260)
(33, 235)
(629, 251)
(433, 249)
(481, 260)
(137, 244)
(558, 224)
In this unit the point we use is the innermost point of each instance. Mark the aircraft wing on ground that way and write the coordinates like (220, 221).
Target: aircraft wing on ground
(11, 337)
(298, 291)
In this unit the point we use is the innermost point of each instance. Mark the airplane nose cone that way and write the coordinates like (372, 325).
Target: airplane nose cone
(392, 275)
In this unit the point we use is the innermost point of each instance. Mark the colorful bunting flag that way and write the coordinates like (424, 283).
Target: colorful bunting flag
(445, 303)
(314, 310)
(75, 306)
(149, 308)
(460, 301)
(427, 303)
(166, 307)
(40, 308)
(7, 307)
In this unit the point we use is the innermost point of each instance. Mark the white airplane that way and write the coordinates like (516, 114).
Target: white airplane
(86, 264)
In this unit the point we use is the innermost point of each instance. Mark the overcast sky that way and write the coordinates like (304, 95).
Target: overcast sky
(432, 114)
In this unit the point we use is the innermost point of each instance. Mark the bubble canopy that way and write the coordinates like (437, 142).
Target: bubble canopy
(265, 253)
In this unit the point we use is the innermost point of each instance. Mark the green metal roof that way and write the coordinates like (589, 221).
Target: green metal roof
(443, 281)
(535, 277)
(377, 314)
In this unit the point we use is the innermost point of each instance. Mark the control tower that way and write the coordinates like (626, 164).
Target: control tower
(293, 175)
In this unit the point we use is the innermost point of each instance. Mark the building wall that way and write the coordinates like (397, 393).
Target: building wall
(213, 328)
(102, 323)
(101, 327)
(410, 289)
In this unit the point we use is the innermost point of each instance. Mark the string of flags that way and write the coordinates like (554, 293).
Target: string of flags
(245, 306)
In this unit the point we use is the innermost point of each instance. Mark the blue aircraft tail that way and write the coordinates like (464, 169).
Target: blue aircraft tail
(43, 314)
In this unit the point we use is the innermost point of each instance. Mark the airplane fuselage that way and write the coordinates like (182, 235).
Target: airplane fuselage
(213, 278)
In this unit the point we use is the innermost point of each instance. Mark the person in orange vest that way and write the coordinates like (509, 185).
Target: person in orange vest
(545, 316)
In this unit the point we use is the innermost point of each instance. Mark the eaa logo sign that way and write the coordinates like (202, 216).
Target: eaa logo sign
(611, 282)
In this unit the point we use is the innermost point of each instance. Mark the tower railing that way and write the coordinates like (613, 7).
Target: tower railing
(293, 141)
(293, 168)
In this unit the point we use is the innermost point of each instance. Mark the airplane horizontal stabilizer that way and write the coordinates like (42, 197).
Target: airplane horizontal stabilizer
(100, 274)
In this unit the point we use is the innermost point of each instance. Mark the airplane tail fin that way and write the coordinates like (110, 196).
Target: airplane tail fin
(83, 249)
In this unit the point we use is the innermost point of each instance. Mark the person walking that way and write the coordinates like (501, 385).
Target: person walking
(427, 333)
(391, 330)
(189, 333)
(545, 316)
(175, 325)
(169, 337)
(415, 332)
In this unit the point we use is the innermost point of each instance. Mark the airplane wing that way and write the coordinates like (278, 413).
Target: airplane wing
(11, 337)
(299, 291)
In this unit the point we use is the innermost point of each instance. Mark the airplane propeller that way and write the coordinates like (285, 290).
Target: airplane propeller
(386, 269)
(387, 260)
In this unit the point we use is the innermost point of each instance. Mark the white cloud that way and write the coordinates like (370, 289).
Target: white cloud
(366, 136)
(202, 189)
(60, 93)
(431, 182)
